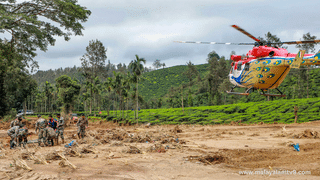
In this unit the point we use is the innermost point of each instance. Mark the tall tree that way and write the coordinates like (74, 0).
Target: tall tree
(270, 38)
(163, 65)
(68, 89)
(92, 65)
(308, 47)
(49, 93)
(156, 64)
(29, 24)
(137, 69)
(191, 71)
(28, 31)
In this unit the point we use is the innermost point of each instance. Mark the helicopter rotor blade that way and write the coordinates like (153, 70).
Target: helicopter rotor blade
(245, 32)
(199, 42)
(299, 42)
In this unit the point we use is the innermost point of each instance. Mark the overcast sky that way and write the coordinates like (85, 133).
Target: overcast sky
(149, 27)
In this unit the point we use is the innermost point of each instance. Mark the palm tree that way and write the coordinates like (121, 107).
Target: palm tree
(118, 85)
(137, 69)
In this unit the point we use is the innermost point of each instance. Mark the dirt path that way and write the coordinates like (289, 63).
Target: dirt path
(169, 152)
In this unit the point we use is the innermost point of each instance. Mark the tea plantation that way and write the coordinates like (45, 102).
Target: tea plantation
(280, 111)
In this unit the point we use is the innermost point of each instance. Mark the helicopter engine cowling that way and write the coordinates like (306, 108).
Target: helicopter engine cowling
(235, 57)
(263, 51)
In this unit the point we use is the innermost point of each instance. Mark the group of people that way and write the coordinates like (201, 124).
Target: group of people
(48, 131)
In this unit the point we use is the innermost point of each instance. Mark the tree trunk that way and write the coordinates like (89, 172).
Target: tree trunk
(127, 107)
(120, 104)
(182, 99)
(137, 98)
(91, 101)
(25, 106)
(295, 114)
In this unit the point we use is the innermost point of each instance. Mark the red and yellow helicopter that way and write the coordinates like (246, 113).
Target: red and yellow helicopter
(264, 67)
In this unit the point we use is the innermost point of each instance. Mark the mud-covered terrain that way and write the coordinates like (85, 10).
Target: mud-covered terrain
(163, 152)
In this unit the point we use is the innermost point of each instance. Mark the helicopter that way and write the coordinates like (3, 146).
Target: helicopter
(265, 66)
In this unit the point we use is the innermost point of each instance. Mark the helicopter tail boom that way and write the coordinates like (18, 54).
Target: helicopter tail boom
(311, 60)
(298, 59)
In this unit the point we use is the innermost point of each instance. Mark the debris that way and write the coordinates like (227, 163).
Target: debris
(65, 162)
(70, 144)
(112, 155)
(177, 129)
(254, 134)
(148, 125)
(22, 164)
(133, 150)
(73, 152)
(89, 149)
(116, 143)
(284, 128)
(309, 134)
(296, 147)
(38, 160)
(208, 159)
(53, 156)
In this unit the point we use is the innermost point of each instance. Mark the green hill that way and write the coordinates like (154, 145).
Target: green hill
(156, 83)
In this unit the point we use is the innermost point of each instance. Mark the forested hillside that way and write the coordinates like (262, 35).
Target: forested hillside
(195, 85)
(155, 84)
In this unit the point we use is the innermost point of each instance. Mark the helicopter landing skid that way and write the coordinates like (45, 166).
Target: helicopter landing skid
(274, 95)
(239, 93)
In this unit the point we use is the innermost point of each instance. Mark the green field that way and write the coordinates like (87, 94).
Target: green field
(280, 111)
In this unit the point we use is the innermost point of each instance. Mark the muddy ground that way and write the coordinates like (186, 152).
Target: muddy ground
(163, 152)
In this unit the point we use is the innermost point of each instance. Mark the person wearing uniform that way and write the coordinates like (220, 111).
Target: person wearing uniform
(16, 122)
(41, 125)
(82, 125)
(13, 132)
(22, 136)
(60, 128)
(51, 135)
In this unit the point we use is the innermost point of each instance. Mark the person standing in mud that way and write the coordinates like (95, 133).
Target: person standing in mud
(82, 125)
(51, 135)
(13, 133)
(22, 136)
(41, 125)
(60, 128)
(16, 122)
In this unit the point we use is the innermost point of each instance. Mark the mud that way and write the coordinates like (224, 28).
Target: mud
(110, 151)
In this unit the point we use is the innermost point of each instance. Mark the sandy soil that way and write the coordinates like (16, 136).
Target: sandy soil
(171, 152)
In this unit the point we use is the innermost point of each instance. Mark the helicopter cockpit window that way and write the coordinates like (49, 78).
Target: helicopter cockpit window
(239, 66)
(246, 67)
